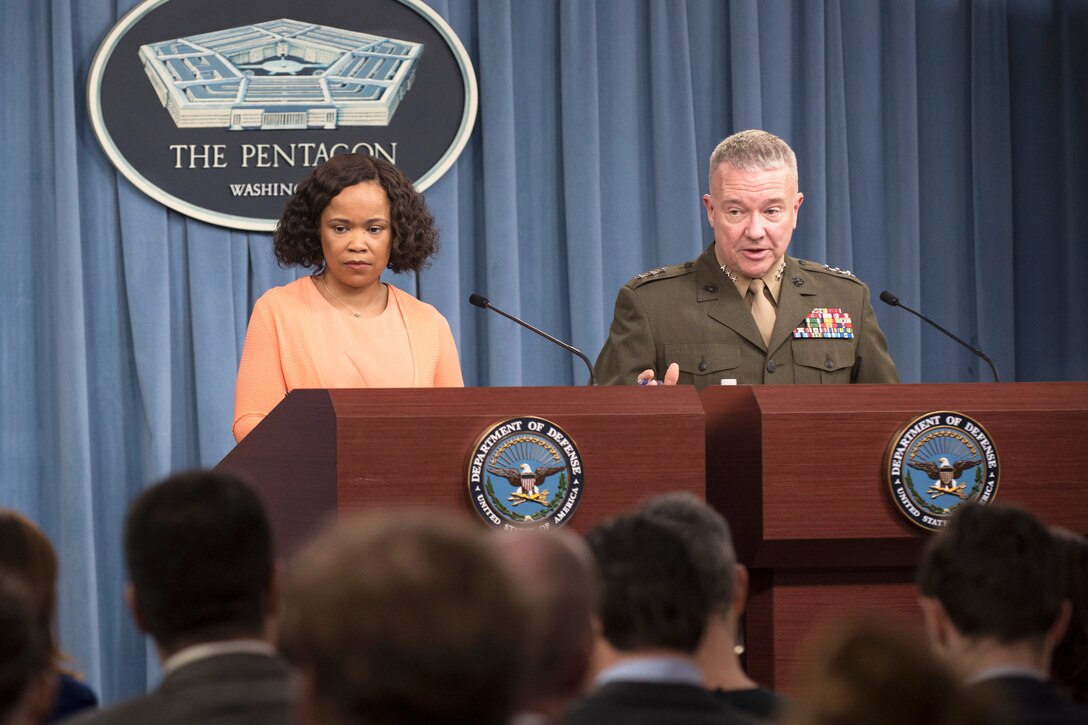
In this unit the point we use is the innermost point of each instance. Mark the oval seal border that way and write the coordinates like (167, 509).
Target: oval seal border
(940, 445)
(521, 456)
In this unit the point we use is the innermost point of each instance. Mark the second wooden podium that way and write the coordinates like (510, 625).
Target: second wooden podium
(798, 471)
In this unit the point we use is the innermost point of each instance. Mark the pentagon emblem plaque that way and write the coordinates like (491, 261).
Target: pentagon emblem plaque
(218, 109)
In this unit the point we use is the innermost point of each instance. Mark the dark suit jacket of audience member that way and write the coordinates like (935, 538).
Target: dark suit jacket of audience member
(758, 702)
(226, 689)
(1031, 701)
(651, 703)
(73, 696)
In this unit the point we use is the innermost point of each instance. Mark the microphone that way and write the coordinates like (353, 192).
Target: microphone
(889, 299)
(481, 301)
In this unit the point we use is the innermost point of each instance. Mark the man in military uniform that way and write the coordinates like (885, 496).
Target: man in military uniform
(744, 312)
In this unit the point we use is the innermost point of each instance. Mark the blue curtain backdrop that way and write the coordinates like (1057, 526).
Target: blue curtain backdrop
(943, 156)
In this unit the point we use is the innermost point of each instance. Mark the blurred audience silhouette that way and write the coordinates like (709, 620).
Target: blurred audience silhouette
(652, 607)
(198, 547)
(865, 673)
(1069, 667)
(27, 683)
(27, 554)
(993, 598)
(400, 618)
(554, 571)
(711, 543)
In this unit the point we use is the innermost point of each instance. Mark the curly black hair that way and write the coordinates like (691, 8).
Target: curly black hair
(297, 240)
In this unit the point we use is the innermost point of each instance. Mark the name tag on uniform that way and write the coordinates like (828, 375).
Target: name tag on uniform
(826, 322)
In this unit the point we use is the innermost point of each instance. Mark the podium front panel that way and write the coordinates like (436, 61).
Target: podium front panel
(340, 450)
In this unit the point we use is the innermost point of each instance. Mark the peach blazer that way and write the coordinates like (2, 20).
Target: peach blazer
(280, 353)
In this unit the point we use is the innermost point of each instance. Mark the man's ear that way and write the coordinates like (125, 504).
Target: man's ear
(40, 697)
(937, 622)
(580, 673)
(304, 698)
(740, 591)
(1057, 630)
(272, 603)
(134, 607)
(603, 655)
(275, 581)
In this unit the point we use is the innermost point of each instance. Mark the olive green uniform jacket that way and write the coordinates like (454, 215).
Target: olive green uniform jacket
(692, 314)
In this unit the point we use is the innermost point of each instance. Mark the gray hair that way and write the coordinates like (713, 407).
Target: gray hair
(753, 150)
(707, 535)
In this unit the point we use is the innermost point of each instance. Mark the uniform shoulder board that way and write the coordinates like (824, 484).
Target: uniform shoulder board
(837, 270)
(827, 269)
(816, 266)
(660, 273)
(651, 273)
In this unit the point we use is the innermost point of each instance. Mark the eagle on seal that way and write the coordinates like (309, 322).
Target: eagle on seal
(944, 473)
(526, 478)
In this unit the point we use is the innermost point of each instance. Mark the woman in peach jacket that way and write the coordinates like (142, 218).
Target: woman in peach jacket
(342, 327)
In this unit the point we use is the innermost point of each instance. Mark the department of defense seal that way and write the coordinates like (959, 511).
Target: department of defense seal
(525, 473)
(938, 462)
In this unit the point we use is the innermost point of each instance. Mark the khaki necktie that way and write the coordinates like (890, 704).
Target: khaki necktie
(762, 309)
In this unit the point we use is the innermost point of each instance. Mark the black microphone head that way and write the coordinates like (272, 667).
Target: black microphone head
(888, 298)
(478, 300)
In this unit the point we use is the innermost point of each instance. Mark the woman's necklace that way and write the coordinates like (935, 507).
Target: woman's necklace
(353, 312)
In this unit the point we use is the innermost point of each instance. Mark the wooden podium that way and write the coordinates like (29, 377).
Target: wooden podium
(325, 451)
(798, 472)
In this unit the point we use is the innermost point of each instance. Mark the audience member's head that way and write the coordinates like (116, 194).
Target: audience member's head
(27, 555)
(992, 577)
(864, 673)
(26, 683)
(553, 570)
(199, 552)
(406, 618)
(651, 595)
(709, 540)
(711, 544)
(1069, 668)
